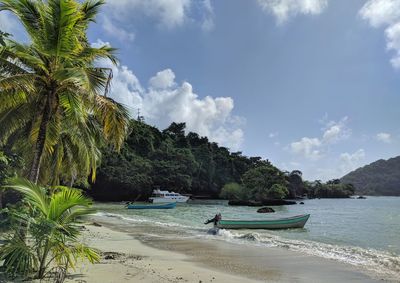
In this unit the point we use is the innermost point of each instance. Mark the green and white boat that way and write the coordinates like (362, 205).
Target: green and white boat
(282, 223)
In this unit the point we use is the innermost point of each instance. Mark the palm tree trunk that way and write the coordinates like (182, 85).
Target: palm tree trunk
(40, 142)
(42, 259)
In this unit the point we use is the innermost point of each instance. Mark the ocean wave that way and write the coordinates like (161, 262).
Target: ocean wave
(379, 262)
(138, 220)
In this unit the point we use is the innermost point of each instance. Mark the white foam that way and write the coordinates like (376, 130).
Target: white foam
(379, 262)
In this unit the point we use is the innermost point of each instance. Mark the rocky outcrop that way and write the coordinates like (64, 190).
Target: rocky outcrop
(269, 202)
(265, 210)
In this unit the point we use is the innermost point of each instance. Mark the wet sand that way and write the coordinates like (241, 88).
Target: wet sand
(195, 260)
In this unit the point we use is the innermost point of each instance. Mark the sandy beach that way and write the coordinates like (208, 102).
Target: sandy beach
(126, 259)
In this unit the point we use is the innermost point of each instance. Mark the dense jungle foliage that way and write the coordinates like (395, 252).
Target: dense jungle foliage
(188, 163)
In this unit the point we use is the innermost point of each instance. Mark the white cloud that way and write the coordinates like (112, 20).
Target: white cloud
(385, 13)
(308, 147)
(337, 167)
(115, 31)
(121, 16)
(284, 9)
(208, 16)
(384, 137)
(393, 43)
(381, 12)
(336, 131)
(313, 148)
(163, 79)
(207, 116)
(167, 13)
(165, 101)
(273, 135)
(350, 161)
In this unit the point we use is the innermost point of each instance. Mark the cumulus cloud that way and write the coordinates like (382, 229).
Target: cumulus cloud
(384, 137)
(313, 148)
(308, 147)
(385, 13)
(338, 166)
(164, 101)
(381, 12)
(163, 79)
(121, 16)
(284, 9)
(351, 161)
(335, 131)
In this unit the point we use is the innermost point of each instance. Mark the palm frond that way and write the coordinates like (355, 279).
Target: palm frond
(64, 200)
(28, 11)
(18, 82)
(33, 193)
(19, 258)
(114, 117)
(90, 9)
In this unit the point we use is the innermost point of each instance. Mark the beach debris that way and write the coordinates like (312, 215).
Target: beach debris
(96, 224)
(135, 257)
(112, 255)
(265, 210)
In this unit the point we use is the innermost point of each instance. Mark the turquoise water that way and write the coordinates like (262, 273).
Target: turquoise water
(364, 233)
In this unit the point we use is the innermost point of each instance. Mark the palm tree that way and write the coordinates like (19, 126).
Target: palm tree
(52, 235)
(53, 103)
(3, 36)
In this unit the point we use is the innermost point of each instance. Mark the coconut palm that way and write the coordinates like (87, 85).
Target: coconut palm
(53, 104)
(52, 236)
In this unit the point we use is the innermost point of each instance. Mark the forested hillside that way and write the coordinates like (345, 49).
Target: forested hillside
(185, 162)
(381, 177)
(169, 159)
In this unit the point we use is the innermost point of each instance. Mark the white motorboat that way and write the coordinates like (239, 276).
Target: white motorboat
(167, 196)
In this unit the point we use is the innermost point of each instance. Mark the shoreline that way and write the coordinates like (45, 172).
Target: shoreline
(126, 259)
(143, 259)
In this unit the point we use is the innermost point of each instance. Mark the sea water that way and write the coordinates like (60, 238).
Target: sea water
(361, 232)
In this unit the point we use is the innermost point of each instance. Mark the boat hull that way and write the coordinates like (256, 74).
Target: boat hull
(283, 223)
(181, 199)
(152, 206)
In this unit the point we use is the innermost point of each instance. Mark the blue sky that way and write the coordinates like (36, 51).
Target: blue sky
(309, 84)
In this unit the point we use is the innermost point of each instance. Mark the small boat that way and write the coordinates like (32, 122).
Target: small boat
(283, 223)
(152, 206)
(159, 196)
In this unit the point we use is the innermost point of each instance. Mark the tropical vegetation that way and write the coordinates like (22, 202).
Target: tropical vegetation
(331, 189)
(55, 119)
(50, 243)
(188, 163)
(53, 105)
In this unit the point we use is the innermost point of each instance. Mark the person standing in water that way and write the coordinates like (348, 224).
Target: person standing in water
(216, 219)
